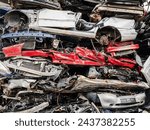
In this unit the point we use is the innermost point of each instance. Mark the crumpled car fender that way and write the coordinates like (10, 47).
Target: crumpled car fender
(81, 56)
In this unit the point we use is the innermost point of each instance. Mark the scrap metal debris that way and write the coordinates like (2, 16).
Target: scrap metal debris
(74, 56)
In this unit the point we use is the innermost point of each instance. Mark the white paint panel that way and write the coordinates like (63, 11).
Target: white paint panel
(119, 23)
(57, 18)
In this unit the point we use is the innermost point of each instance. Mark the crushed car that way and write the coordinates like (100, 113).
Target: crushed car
(84, 56)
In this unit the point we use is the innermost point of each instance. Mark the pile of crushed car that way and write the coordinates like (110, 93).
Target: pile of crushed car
(75, 56)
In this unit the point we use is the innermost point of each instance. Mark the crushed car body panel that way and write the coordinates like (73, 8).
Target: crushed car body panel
(74, 56)
(81, 56)
(56, 18)
(112, 101)
(124, 9)
(124, 26)
(43, 18)
(34, 67)
(85, 84)
(146, 70)
(51, 4)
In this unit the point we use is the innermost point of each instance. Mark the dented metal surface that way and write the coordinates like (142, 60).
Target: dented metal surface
(51, 4)
(115, 101)
(34, 67)
(72, 56)
(83, 83)
(81, 56)
(146, 70)
(118, 8)
(42, 18)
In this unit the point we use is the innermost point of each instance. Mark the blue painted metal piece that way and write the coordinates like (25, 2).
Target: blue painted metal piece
(27, 34)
